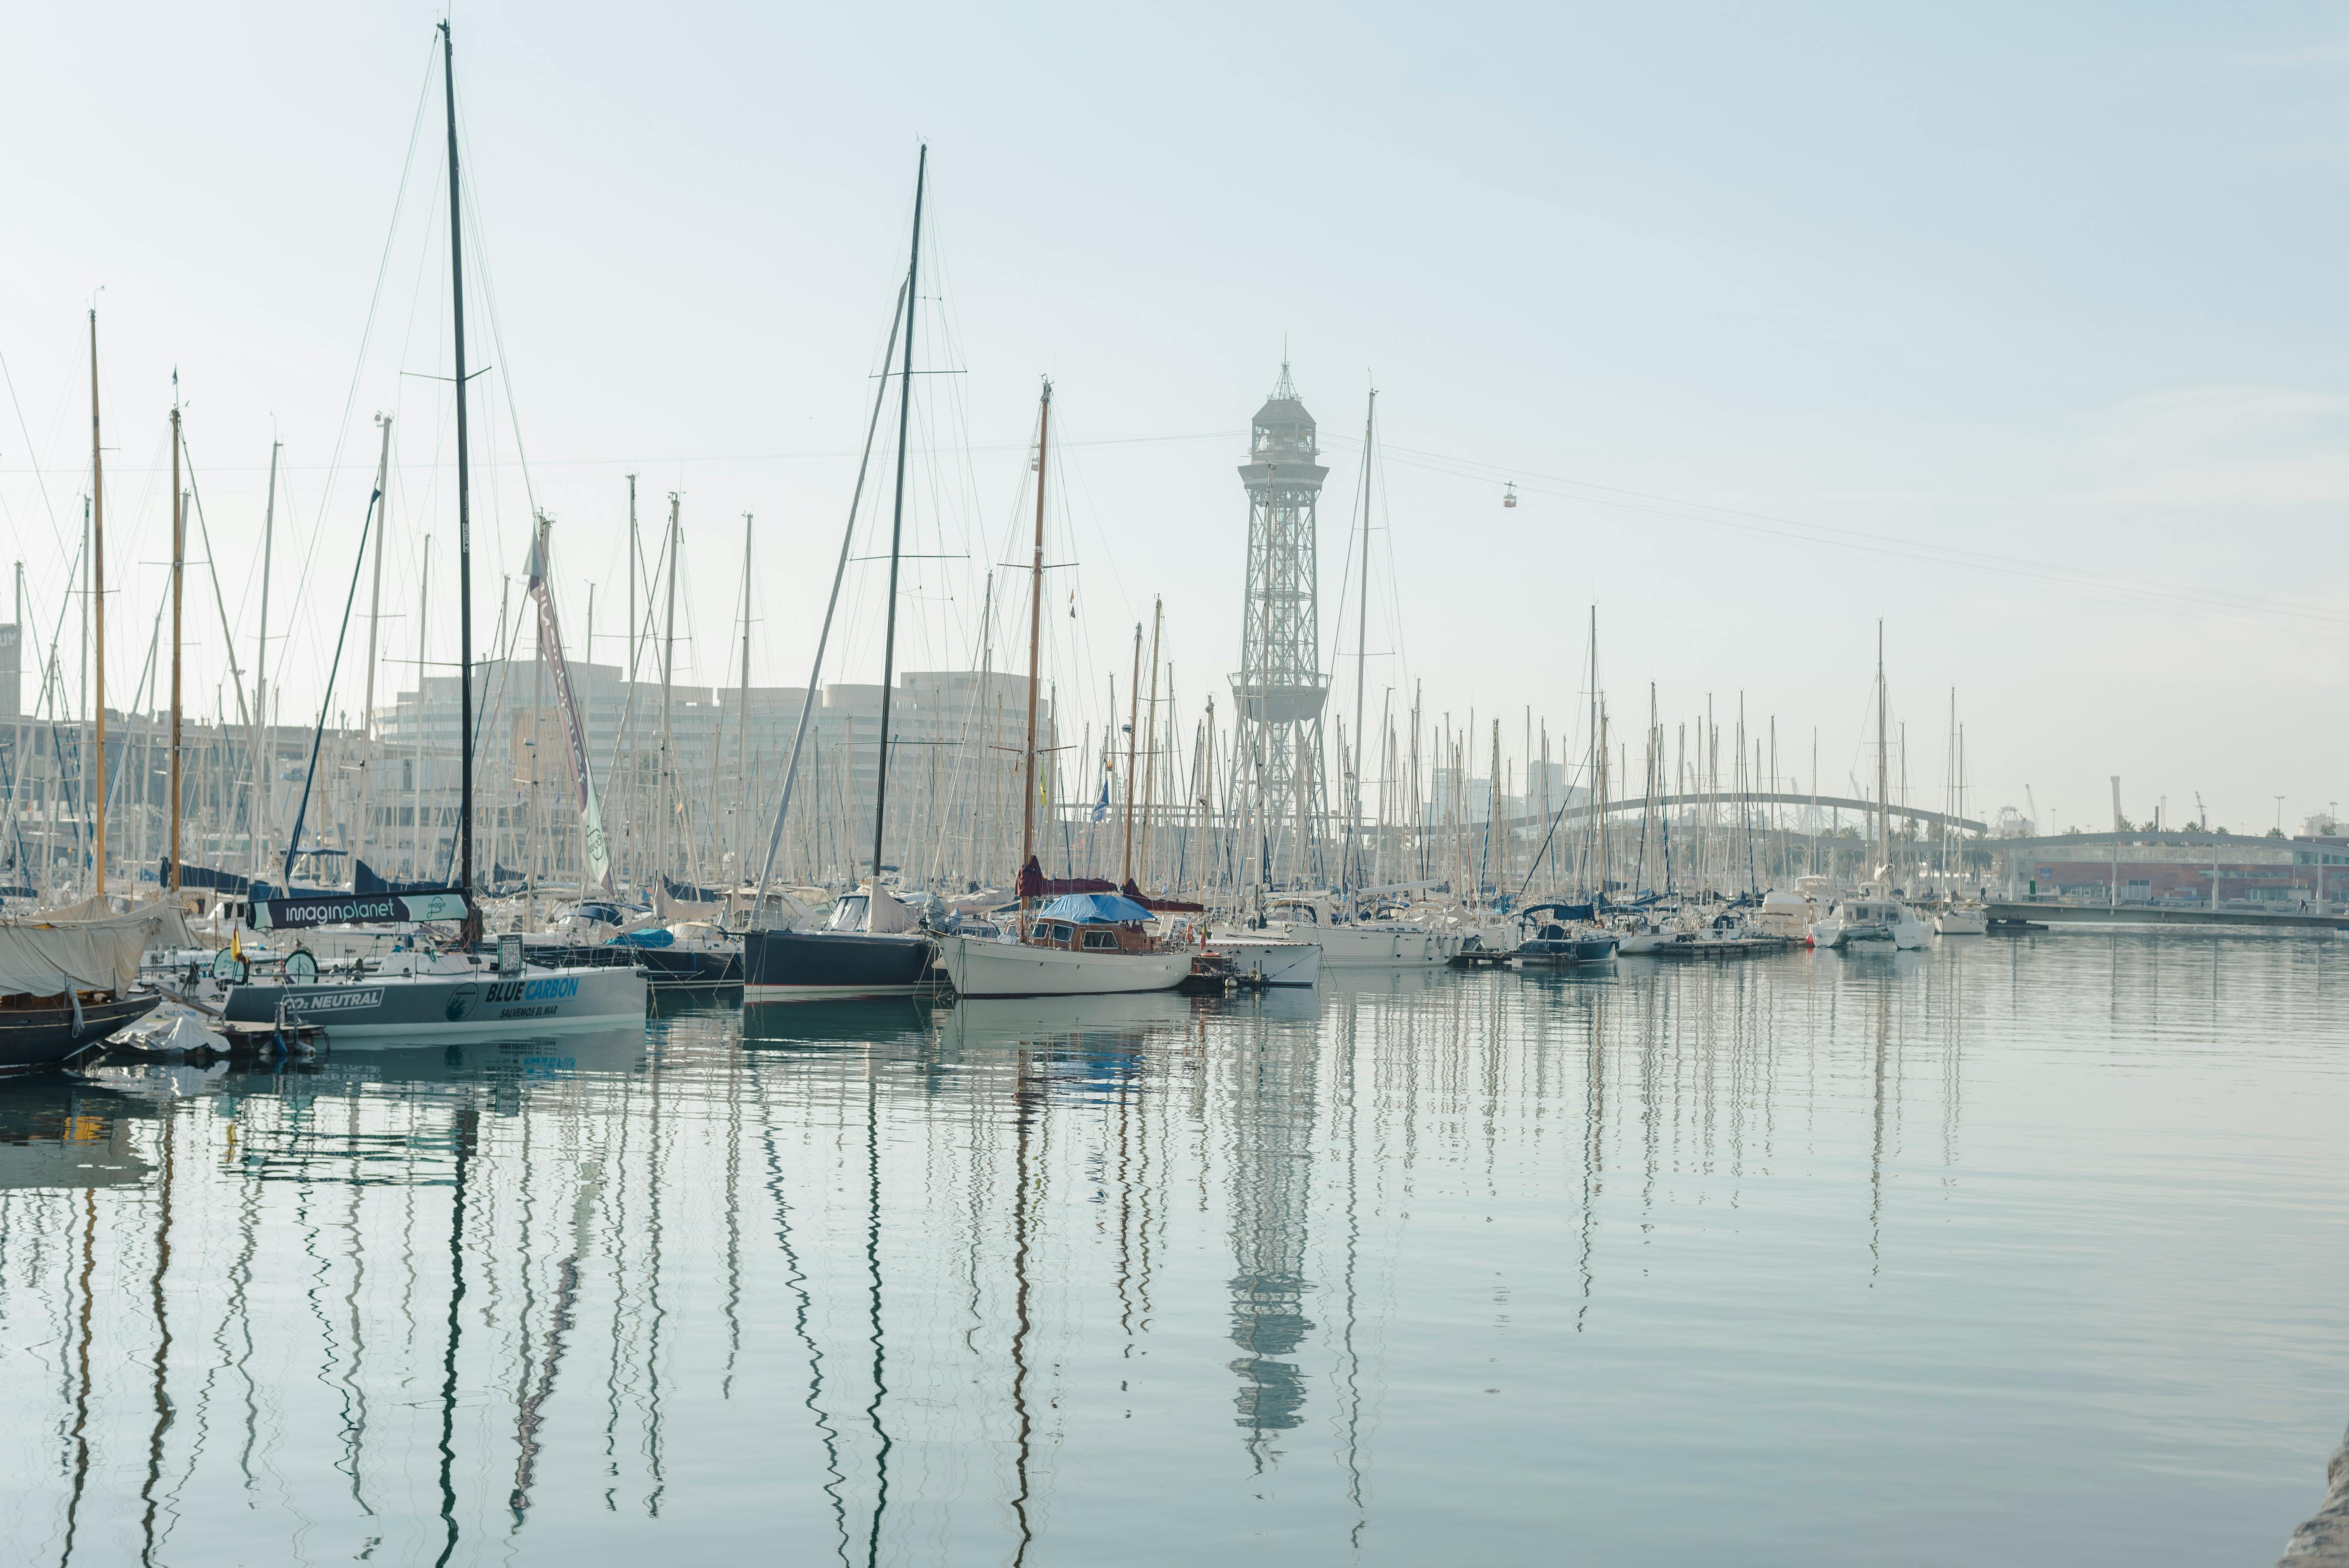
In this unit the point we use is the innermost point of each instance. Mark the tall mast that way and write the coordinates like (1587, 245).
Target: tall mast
(1035, 643)
(823, 635)
(464, 492)
(375, 617)
(264, 763)
(179, 566)
(1149, 728)
(898, 518)
(742, 716)
(1362, 624)
(668, 669)
(1133, 718)
(1883, 765)
(415, 793)
(97, 611)
(629, 813)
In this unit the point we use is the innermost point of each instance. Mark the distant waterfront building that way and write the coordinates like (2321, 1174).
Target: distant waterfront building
(689, 786)
(2180, 870)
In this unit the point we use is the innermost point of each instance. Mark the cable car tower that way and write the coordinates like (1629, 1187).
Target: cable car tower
(1280, 688)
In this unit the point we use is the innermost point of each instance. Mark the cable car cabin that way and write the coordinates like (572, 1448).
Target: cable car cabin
(1509, 496)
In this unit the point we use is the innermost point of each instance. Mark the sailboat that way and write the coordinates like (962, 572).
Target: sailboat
(1080, 945)
(420, 991)
(1875, 912)
(873, 945)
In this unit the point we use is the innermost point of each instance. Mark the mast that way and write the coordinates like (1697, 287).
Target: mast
(628, 718)
(179, 566)
(416, 792)
(1883, 768)
(464, 499)
(1362, 628)
(1030, 874)
(1133, 718)
(668, 669)
(98, 610)
(265, 765)
(743, 716)
(374, 615)
(823, 637)
(898, 518)
(1150, 748)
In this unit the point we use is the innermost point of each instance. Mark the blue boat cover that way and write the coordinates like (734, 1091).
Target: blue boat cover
(651, 936)
(1099, 906)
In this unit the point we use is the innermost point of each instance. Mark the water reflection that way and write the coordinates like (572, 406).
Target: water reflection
(1494, 1255)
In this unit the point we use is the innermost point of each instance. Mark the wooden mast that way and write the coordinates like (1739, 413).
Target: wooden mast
(898, 522)
(97, 612)
(1031, 875)
(178, 570)
(464, 506)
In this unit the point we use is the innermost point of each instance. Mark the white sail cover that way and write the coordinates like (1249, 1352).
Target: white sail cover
(82, 947)
(886, 914)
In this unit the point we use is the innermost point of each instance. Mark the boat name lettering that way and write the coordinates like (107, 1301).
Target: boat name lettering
(531, 990)
(337, 1001)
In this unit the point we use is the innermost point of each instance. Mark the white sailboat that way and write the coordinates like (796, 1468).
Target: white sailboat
(420, 992)
(1083, 945)
(1874, 913)
(1386, 942)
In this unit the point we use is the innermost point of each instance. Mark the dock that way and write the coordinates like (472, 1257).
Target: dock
(2154, 914)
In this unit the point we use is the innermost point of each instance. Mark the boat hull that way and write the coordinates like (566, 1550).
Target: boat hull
(1571, 950)
(983, 969)
(785, 966)
(1363, 946)
(665, 968)
(402, 1008)
(33, 1039)
(1277, 962)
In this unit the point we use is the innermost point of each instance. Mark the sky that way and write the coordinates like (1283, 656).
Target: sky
(2018, 328)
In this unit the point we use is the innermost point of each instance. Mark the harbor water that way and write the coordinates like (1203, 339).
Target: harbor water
(2017, 1251)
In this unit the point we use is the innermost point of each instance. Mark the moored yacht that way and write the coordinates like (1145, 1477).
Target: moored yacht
(1390, 941)
(420, 993)
(1560, 934)
(1873, 914)
(872, 947)
(1080, 945)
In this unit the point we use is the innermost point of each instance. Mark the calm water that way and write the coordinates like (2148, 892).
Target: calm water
(2017, 1252)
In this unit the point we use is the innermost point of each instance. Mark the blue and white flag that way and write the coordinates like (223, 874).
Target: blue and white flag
(1101, 807)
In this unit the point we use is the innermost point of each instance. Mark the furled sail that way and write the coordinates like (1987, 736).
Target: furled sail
(583, 780)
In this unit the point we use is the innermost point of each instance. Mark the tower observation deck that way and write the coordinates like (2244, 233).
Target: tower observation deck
(1280, 687)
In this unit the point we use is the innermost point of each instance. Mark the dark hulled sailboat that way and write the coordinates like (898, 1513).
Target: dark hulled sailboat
(872, 947)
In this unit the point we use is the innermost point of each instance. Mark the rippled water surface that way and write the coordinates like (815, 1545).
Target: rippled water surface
(2018, 1251)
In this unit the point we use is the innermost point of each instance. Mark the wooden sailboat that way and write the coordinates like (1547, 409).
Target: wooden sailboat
(417, 993)
(1081, 944)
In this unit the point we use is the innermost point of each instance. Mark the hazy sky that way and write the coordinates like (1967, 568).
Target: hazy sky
(2019, 326)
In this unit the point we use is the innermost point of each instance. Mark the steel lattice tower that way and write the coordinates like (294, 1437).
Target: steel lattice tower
(1280, 688)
